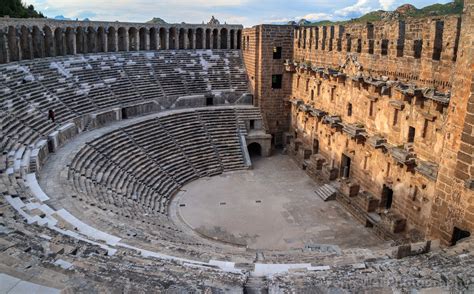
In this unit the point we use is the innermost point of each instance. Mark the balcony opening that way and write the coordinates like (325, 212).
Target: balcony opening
(276, 52)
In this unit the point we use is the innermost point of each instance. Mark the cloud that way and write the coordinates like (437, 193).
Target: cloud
(386, 4)
(246, 12)
(317, 16)
(359, 8)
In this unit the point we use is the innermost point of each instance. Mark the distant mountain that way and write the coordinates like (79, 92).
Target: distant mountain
(402, 12)
(61, 17)
(157, 20)
(15, 8)
(303, 22)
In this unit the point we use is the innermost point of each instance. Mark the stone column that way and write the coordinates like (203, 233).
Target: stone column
(228, 39)
(218, 39)
(3, 48)
(193, 39)
(167, 39)
(236, 38)
(157, 40)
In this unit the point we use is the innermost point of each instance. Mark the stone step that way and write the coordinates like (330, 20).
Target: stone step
(326, 192)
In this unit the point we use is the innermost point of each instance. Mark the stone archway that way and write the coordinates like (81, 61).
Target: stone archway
(122, 39)
(172, 38)
(101, 40)
(143, 39)
(223, 40)
(199, 39)
(70, 41)
(112, 40)
(163, 39)
(182, 39)
(59, 41)
(154, 39)
(215, 39)
(133, 39)
(254, 149)
(208, 44)
(49, 47)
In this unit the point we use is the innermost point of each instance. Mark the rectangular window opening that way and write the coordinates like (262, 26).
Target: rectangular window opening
(276, 81)
(276, 52)
(411, 134)
(384, 47)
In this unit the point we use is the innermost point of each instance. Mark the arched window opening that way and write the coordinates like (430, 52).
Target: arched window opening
(91, 40)
(215, 38)
(224, 39)
(59, 42)
(199, 39)
(101, 40)
(163, 39)
(190, 39)
(182, 39)
(208, 39)
(133, 41)
(49, 48)
(172, 39)
(111, 39)
(70, 41)
(143, 32)
(38, 43)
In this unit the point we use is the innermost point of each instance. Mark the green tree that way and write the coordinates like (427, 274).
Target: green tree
(15, 8)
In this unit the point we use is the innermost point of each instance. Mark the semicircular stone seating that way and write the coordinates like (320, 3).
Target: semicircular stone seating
(75, 86)
(171, 155)
(144, 164)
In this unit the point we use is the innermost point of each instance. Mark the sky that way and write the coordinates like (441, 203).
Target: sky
(246, 12)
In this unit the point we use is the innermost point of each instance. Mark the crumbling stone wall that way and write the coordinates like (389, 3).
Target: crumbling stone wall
(387, 48)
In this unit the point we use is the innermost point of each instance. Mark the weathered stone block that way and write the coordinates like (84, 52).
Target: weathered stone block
(349, 188)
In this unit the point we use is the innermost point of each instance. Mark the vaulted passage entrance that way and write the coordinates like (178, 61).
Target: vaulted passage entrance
(254, 149)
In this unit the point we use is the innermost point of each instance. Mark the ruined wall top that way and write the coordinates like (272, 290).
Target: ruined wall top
(54, 23)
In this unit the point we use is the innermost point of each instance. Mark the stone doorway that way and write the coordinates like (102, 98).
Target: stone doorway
(209, 101)
(345, 166)
(315, 146)
(255, 150)
(387, 197)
